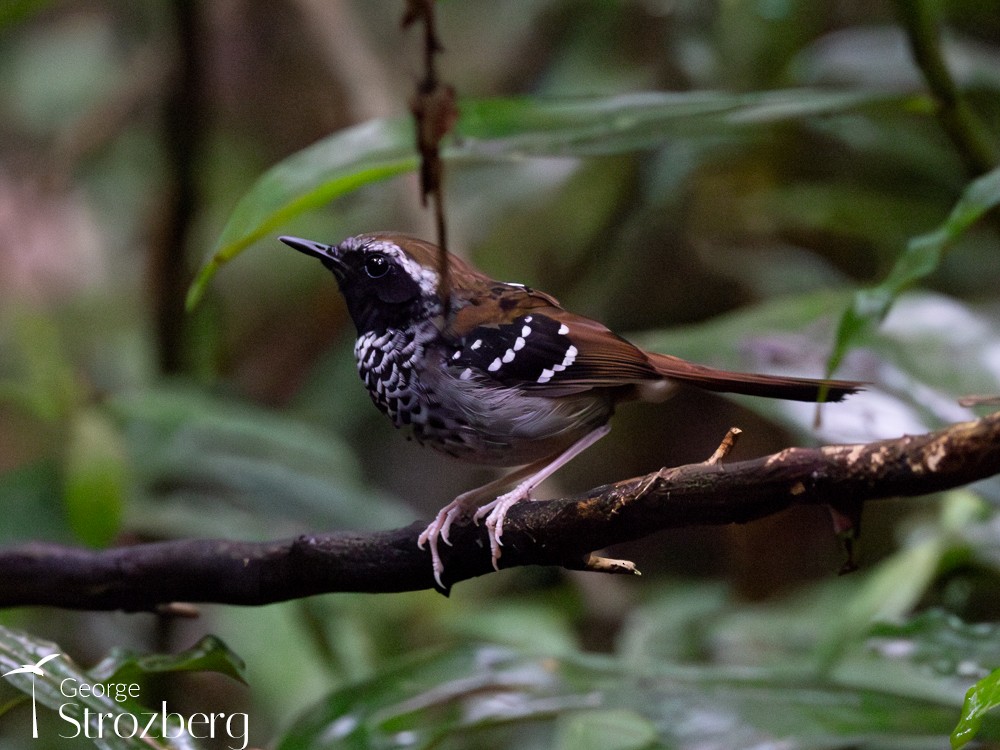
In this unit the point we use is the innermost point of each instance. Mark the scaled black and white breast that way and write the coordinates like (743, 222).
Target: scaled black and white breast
(386, 365)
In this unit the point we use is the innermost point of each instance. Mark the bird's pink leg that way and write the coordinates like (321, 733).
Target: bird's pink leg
(439, 528)
(529, 477)
(497, 509)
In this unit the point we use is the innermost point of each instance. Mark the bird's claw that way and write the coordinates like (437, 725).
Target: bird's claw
(494, 511)
(497, 514)
(439, 529)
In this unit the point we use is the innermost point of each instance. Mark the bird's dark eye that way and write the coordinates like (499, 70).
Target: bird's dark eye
(376, 265)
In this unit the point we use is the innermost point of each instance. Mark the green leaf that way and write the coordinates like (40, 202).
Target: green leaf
(982, 697)
(95, 478)
(612, 729)
(487, 696)
(210, 654)
(535, 627)
(343, 162)
(79, 713)
(921, 258)
(625, 123)
(942, 643)
(209, 465)
(495, 129)
(892, 590)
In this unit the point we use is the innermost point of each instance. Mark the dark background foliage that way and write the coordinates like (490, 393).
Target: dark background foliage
(730, 221)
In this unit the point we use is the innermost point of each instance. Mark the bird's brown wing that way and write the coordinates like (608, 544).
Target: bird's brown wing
(537, 345)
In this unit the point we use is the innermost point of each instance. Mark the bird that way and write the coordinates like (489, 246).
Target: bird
(500, 374)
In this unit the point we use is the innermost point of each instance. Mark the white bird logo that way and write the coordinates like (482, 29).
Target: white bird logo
(33, 669)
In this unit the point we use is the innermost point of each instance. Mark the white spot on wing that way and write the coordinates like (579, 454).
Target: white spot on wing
(546, 375)
(508, 356)
(494, 365)
(518, 344)
(526, 330)
(476, 344)
(466, 374)
(563, 329)
(570, 356)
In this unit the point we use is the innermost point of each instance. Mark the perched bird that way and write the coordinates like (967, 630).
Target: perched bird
(501, 374)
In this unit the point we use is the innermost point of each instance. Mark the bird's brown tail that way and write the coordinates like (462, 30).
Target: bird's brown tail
(768, 386)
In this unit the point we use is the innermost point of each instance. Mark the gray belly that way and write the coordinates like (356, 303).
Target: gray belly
(503, 426)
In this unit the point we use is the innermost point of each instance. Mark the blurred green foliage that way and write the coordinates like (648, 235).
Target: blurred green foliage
(723, 180)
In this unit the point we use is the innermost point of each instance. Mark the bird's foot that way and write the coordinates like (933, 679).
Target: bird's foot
(438, 530)
(496, 512)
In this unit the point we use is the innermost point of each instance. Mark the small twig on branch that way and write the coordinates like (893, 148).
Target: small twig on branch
(727, 444)
(977, 400)
(556, 532)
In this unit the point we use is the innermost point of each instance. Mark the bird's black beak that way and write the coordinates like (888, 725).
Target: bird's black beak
(327, 254)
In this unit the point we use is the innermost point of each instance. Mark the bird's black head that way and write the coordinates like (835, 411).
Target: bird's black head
(384, 285)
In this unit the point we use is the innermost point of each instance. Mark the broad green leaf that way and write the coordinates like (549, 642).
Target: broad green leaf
(80, 714)
(608, 729)
(941, 642)
(982, 697)
(486, 696)
(535, 627)
(921, 258)
(213, 466)
(892, 590)
(495, 129)
(95, 478)
(671, 627)
(345, 161)
(210, 654)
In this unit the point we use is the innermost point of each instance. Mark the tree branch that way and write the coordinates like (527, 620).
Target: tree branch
(555, 532)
